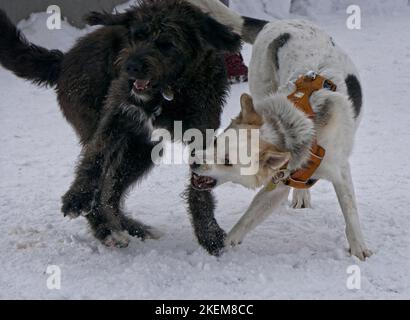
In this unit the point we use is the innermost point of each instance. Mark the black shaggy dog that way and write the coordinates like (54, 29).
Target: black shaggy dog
(157, 63)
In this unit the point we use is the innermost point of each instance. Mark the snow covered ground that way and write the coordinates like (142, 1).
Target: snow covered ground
(295, 254)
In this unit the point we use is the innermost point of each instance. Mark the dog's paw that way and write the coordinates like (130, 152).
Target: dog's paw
(139, 230)
(301, 199)
(360, 251)
(76, 204)
(214, 242)
(111, 234)
(233, 240)
(117, 239)
(151, 233)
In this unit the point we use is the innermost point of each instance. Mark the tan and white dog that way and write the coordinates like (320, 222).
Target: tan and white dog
(283, 50)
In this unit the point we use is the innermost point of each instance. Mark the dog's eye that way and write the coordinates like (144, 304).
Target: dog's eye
(136, 36)
(164, 46)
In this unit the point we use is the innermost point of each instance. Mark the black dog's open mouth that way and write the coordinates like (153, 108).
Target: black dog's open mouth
(202, 183)
(140, 86)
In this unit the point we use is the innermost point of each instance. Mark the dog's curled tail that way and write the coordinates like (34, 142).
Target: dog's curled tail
(247, 28)
(26, 60)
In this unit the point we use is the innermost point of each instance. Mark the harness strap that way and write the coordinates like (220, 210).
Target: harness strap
(305, 86)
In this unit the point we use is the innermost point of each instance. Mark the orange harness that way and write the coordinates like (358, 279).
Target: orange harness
(305, 86)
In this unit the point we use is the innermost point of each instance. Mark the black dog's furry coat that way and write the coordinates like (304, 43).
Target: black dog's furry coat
(111, 86)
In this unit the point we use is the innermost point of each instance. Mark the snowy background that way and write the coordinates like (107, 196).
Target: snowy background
(295, 254)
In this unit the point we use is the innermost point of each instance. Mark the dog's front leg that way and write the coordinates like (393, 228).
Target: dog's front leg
(201, 207)
(343, 184)
(264, 203)
(201, 204)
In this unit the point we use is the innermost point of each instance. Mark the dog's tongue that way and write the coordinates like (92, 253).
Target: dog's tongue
(141, 84)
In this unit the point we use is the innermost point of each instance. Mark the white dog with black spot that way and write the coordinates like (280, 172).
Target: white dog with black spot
(285, 51)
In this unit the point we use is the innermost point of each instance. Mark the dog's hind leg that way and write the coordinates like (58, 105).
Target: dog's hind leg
(343, 184)
(301, 199)
(264, 203)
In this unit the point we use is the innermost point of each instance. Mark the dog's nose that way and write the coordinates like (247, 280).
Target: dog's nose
(134, 68)
(195, 165)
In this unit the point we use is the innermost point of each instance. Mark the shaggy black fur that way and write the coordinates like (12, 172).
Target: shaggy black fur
(111, 87)
(251, 28)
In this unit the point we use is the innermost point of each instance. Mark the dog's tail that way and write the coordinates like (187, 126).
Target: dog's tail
(247, 28)
(26, 60)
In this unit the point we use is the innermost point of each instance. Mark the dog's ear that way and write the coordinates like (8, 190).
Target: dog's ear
(248, 114)
(221, 37)
(104, 18)
(273, 159)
